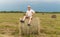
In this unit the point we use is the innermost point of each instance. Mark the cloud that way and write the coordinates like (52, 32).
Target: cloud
(50, 0)
(28, 1)
(8, 1)
(23, 1)
(39, 1)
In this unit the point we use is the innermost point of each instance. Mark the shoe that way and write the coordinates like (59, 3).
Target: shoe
(28, 24)
(21, 21)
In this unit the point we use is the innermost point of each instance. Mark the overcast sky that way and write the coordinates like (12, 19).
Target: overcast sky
(23, 1)
(16, 5)
(38, 1)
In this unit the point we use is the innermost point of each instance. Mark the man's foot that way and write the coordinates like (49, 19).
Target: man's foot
(28, 24)
(21, 21)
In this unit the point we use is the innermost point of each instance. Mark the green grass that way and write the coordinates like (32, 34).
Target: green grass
(50, 27)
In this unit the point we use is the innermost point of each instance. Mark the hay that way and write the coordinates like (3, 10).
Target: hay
(33, 29)
(53, 16)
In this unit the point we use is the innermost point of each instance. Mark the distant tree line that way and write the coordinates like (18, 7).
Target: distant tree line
(11, 12)
(24, 12)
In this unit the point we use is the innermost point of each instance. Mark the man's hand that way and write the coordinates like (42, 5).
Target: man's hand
(33, 13)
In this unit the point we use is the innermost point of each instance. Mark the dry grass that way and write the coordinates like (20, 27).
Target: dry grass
(50, 27)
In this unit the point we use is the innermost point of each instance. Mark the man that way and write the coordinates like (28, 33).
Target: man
(29, 14)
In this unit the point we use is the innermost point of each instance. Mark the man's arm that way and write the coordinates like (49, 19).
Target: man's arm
(25, 13)
(33, 13)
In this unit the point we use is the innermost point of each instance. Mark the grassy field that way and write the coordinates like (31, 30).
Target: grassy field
(50, 27)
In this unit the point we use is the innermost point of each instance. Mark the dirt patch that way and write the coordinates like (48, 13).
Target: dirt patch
(8, 23)
(7, 28)
(3, 35)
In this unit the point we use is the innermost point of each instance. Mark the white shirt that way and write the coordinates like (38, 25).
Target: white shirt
(30, 13)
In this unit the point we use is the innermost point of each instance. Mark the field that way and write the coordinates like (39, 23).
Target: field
(50, 27)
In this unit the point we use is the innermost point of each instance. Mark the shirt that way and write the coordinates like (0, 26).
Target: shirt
(30, 13)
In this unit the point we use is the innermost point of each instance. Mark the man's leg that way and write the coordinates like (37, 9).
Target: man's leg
(23, 19)
(30, 19)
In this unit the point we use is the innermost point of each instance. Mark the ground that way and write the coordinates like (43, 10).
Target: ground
(50, 27)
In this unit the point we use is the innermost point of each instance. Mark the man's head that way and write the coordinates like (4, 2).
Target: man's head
(29, 7)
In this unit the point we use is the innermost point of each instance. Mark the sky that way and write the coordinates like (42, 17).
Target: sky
(9, 5)
(37, 5)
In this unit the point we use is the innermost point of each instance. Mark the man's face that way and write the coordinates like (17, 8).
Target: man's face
(29, 8)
